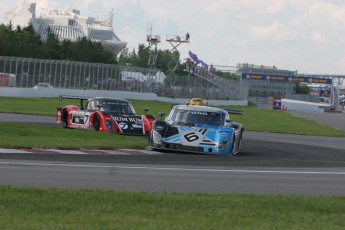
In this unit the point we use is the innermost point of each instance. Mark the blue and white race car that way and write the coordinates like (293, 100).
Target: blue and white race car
(198, 129)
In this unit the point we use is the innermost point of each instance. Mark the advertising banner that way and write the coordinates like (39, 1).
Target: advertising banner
(286, 78)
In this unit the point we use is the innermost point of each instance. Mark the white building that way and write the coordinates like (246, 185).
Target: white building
(66, 24)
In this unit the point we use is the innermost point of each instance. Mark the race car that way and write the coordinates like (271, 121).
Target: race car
(197, 101)
(104, 114)
(198, 129)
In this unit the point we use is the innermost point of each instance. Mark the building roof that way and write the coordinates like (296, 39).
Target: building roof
(66, 24)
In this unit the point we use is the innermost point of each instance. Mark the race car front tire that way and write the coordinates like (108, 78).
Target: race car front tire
(96, 122)
(64, 119)
(232, 146)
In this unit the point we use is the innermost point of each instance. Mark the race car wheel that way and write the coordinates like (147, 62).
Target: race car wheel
(150, 139)
(96, 122)
(239, 144)
(64, 119)
(232, 150)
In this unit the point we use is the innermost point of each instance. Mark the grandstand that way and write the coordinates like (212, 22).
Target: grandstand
(66, 24)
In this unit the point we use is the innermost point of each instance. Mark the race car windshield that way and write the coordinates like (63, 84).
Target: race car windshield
(191, 118)
(118, 107)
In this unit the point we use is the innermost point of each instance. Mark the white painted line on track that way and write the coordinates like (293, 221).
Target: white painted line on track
(171, 168)
(81, 151)
(13, 151)
(63, 151)
(142, 151)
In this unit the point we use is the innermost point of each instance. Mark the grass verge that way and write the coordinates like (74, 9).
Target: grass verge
(36, 136)
(254, 119)
(23, 208)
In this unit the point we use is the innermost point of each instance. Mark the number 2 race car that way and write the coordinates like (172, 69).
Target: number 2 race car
(104, 115)
(199, 129)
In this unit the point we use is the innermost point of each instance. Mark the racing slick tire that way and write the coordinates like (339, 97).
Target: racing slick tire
(96, 122)
(240, 142)
(232, 146)
(64, 119)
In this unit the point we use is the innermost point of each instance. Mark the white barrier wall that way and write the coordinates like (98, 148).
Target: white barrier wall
(54, 93)
(294, 105)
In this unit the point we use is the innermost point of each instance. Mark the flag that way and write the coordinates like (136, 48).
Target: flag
(194, 57)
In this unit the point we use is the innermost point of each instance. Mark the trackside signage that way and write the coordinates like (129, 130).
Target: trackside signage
(286, 78)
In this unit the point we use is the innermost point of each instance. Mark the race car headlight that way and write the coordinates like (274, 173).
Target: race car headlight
(109, 124)
(156, 137)
(223, 144)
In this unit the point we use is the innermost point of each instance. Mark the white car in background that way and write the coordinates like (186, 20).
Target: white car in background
(43, 85)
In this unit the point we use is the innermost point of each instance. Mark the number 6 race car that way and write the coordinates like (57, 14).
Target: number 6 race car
(199, 129)
(105, 115)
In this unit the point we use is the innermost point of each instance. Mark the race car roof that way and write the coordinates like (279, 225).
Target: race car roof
(200, 108)
(108, 99)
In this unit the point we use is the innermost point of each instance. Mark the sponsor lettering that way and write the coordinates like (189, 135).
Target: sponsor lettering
(135, 120)
(120, 119)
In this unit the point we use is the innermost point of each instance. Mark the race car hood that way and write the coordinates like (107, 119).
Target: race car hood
(197, 135)
(129, 124)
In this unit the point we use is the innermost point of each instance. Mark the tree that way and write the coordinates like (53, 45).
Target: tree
(142, 56)
(25, 42)
(51, 47)
(124, 57)
(302, 88)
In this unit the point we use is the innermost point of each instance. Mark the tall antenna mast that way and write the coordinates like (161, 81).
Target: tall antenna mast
(175, 41)
(153, 41)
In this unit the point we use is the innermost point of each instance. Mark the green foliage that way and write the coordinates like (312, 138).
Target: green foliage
(302, 88)
(26, 43)
(225, 75)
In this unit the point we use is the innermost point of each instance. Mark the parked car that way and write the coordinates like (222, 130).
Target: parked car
(104, 114)
(43, 85)
(198, 129)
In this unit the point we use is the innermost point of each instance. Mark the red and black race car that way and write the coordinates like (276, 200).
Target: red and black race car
(105, 115)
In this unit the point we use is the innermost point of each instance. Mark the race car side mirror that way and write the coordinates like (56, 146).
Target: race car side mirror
(146, 109)
(161, 114)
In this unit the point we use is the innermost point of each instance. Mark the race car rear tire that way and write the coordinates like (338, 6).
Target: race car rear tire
(64, 119)
(96, 122)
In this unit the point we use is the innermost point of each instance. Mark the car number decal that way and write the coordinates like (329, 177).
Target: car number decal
(193, 137)
(190, 137)
(123, 125)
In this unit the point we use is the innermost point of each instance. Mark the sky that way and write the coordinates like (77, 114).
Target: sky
(307, 36)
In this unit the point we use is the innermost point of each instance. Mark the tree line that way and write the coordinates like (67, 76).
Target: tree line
(25, 42)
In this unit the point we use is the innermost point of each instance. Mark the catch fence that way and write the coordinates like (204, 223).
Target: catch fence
(97, 76)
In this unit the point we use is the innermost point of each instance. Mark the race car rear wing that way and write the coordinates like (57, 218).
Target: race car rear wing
(238, 112)
(81, 98)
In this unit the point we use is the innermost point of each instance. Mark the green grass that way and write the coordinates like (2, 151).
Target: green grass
(95, 209)
(254, 119)
(275, 121)
(34, 136)
(47, 106)
(33, 208)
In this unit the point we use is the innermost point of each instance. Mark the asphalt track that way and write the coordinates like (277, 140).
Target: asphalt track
(268, 164)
